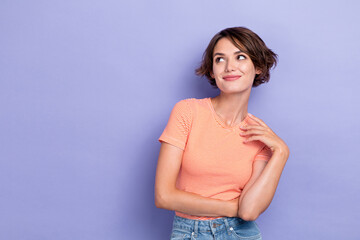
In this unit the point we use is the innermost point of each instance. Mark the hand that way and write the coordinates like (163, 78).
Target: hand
(264, 134)
(234, 207)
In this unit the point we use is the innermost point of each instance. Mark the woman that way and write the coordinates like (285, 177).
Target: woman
(219, 166)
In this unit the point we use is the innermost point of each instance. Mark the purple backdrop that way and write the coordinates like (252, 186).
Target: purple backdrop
(86, 89)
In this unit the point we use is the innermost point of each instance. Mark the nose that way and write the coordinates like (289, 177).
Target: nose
(230, 65)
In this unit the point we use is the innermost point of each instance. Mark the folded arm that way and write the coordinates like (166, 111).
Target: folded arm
(260, 189)
(167, 196)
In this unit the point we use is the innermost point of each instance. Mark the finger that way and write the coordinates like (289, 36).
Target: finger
(258, 120)
(252, 138)
(248, 127)
(253, 131)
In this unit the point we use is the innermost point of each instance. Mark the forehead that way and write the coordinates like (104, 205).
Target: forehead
(227, 46)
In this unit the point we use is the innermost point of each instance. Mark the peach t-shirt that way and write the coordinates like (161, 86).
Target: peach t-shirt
(216, 163)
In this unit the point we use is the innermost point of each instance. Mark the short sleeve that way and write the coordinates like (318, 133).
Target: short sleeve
(264, 154)
(178, 127)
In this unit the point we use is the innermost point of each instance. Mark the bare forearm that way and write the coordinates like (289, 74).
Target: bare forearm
(194, 204)
(259, 196)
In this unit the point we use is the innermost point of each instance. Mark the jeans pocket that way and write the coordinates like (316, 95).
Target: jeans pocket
(178, 234)
(247, 230)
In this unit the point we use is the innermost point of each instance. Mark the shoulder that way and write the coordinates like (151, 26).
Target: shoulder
(250, 121)
(196, 106)
(183, 103)
(189, 100)
(184, 107)
(191, 103)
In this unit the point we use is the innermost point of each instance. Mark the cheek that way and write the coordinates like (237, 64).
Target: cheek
(246, 66)
(216, 71)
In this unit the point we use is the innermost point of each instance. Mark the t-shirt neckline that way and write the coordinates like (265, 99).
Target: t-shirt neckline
(220, 121)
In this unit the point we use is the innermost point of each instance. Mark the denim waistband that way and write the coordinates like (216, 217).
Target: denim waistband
(215, 225)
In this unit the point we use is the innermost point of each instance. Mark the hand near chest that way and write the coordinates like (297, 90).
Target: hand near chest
(263, 133)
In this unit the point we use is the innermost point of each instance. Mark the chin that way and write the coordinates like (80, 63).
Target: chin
(236, 89)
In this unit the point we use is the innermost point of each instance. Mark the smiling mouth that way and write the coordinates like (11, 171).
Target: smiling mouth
(231, 78)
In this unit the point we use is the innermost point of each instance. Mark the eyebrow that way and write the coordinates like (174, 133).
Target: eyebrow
(221, 54)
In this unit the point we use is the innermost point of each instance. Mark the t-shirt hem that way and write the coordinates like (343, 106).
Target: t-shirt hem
(187, 216)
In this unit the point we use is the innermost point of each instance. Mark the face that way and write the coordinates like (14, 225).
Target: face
(233, 69)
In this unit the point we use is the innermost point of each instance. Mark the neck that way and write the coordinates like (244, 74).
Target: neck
(232, 108)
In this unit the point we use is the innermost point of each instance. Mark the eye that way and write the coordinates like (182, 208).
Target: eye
(218, 59)
(241, 57)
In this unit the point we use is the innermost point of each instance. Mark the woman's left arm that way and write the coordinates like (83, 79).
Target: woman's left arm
(259, 191)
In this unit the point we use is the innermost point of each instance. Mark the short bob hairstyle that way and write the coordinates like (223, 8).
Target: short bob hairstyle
(248, 42)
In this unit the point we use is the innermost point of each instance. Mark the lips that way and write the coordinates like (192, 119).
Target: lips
(231, 77)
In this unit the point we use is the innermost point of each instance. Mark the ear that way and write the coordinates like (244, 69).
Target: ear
(258, 71)
(212, 74)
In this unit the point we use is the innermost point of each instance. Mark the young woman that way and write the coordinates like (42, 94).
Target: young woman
(219, 166)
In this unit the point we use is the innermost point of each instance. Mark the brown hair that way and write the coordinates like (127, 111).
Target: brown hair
(248, 42)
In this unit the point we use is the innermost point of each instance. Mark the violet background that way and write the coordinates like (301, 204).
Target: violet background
(86, 89)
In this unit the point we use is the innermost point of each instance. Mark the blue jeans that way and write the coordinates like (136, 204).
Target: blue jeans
(226, 228)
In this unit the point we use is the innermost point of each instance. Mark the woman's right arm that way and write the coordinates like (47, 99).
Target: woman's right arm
(167, 196)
